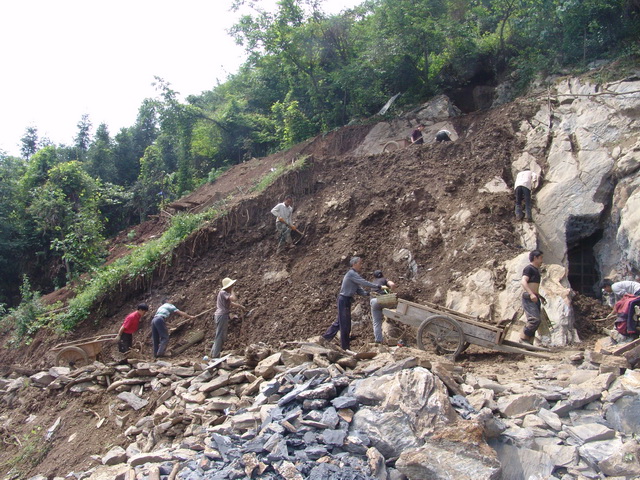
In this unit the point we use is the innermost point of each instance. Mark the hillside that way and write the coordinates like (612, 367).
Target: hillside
(374, 206)
(369, 206)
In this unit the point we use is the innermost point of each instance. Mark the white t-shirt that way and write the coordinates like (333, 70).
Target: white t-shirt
(527, 179)
(281, 210)
(626, 286)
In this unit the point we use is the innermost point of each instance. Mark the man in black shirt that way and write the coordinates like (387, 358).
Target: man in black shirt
(531, 297)
(416, 135)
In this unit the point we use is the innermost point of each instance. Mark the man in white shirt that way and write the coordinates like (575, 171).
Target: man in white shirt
(526, 181)
(620, 288)
(284, 220)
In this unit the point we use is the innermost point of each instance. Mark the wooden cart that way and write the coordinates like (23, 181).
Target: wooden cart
(393, 145)
(81, 352)
(448, 332)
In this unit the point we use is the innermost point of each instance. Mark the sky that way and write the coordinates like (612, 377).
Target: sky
(62, 59)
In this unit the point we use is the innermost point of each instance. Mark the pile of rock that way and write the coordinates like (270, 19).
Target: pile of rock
(315, 411)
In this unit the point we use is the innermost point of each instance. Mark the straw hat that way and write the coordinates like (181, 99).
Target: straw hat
(227, 282)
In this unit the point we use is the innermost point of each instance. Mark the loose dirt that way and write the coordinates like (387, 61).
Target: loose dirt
(349, 206)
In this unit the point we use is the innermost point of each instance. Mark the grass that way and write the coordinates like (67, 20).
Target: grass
(140, 263)
(32, 449)
(299, 164)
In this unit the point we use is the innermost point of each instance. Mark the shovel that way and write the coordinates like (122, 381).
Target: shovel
(294, 229)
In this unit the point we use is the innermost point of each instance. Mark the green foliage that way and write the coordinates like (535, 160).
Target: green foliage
(27, 318)
(32, 449)
(300, 163)
(215, 173)
(138, 265)
(29, 142)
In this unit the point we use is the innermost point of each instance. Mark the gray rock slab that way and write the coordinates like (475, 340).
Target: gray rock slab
(448, 461)
(624, 414)
(595, 452)
(590, 432)
(550, 418)
(315, 404)
(389, 432)
(562, 455)
(344, 402)
(132, 400)
(114, 456)
(523, 463)
(330, 417)
(325, 391)
(151, 457)
(511, 405)
(333, 437)
(623, 463)
(41, 379)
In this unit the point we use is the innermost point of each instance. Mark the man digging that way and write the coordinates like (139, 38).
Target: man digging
(284, 220)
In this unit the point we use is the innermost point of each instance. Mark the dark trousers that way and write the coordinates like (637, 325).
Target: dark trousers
(523, 194)
(160, 336)
(532, 311)
(631, 323)
(125, 343)
(342, 323)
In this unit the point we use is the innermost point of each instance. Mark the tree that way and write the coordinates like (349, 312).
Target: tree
(82, 139)
(100, 157)
(29, 142)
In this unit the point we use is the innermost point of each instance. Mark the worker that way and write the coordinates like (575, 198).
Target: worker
(376, 309)
(129, 327)
(284, 220)
(443, 136)
(416, 135)
(526, 181)
(352, 283)
(226, 301)
(159, 332)
(620, 288)
(531, 298)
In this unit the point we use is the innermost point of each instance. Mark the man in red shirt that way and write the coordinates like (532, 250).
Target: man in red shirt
(129, 327)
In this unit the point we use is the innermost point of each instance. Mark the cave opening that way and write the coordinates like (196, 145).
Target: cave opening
(583, 272)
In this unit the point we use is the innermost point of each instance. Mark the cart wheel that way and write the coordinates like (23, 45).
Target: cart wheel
(442, 334)
(72, 357)
(390, 147)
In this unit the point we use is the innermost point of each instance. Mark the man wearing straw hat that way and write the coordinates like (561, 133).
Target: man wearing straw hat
(226, 301)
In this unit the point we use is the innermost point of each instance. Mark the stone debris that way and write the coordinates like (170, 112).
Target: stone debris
(305, 413)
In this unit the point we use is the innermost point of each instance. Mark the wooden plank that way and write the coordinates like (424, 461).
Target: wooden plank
(632, 356)
(510, 349)
(413, 322)
(509, 343)
(624, 348)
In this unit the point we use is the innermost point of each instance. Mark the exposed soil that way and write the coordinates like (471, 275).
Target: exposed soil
(368, 206)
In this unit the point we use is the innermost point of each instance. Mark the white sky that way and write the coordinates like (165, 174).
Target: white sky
(63, 58)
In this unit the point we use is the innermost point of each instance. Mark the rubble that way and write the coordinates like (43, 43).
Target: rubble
(388, 417)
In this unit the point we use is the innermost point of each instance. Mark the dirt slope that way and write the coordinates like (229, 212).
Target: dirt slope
(349, 205)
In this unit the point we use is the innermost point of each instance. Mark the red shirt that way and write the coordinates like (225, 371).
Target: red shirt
(131, 322)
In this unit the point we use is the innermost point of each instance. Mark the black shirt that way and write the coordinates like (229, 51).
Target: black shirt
(532, 272)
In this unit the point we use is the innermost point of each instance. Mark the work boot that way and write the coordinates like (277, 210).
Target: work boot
(526, 339)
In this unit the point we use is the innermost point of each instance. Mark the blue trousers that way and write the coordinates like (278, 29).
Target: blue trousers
(160, 336)
(342, 323)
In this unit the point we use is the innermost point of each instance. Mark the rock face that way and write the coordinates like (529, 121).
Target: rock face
(587, 151)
